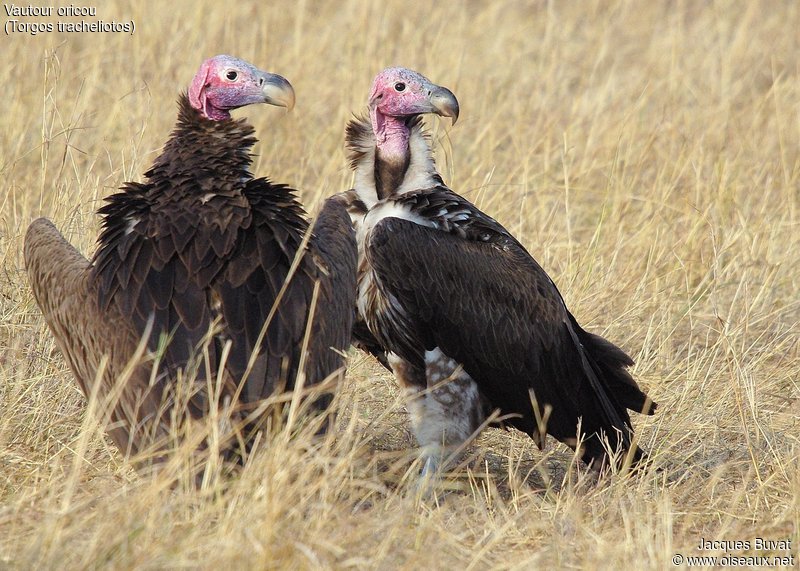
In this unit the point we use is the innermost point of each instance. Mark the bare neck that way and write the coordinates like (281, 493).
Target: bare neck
(392, 155)
(391, 136)
(389, 161)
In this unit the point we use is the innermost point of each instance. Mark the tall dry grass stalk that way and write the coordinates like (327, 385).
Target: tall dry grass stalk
(648, 155)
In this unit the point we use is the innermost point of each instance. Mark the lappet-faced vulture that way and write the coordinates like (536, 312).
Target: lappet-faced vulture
(201, 253)
(468, 321)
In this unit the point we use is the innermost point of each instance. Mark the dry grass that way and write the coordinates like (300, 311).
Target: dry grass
(647, 154)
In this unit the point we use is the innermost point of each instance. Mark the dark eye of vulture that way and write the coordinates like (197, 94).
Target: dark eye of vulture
(468, 321)
(201, 250)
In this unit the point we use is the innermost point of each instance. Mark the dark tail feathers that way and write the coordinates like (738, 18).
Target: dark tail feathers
(612, 363)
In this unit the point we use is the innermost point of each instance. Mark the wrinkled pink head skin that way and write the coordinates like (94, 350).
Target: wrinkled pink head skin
(224, 82)
(398, 93)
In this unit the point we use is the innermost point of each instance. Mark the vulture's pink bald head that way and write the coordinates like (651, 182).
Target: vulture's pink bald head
(398, 93)
(224, 82)
(401, 92)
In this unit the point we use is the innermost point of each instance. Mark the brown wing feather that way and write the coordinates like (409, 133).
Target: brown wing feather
(251, 282)
(239, 254)
(334, 244)
(85, 333)
(361, 338)
(141, 272)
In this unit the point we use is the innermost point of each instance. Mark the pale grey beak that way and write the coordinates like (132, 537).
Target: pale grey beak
(277, 90)
(444, 103)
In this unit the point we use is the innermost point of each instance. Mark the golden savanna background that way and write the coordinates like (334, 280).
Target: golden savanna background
(646, 153)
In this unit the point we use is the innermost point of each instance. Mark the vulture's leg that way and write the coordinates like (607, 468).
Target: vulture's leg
(445, 406)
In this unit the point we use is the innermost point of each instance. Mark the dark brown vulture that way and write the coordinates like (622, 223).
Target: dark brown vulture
(468, 320)
(200, 248)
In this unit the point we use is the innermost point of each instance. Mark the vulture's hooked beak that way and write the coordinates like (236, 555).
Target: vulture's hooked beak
(444, 103)
(277, 90)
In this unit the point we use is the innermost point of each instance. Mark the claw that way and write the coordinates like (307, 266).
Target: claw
(428, 477)
(430, 469)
